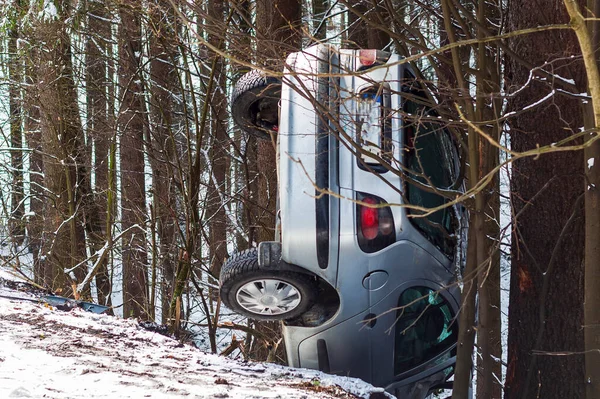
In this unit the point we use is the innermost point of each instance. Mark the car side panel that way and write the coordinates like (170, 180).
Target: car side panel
(297, 173)
(347, 355)
(405, 262)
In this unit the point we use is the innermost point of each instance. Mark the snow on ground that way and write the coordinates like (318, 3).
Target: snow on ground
(49, 353)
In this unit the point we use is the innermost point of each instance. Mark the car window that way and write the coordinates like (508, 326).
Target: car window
(424, 329)
(373, 126)
(430, 159)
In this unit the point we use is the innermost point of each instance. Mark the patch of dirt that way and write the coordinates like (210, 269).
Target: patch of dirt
(155, 327)
(334, 390)
(23, 287)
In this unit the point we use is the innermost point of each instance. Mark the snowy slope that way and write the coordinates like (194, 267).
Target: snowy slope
(48, 353)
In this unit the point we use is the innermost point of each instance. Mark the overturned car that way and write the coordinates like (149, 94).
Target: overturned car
(364, 272)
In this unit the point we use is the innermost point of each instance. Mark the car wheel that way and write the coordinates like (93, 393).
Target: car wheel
(262, 294)
(255, 104)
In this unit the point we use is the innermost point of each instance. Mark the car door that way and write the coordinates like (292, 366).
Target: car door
(413, 332)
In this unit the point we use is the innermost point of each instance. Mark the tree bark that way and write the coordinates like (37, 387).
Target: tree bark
(219, 148)
(365, 20)
(591, 166)
(588, 35)
(99, 131)
(245, 145)
(476, 251)
(62, 138)
(546, 295)
(133, 190)
(488, 108)
(592, 269)
(17, 204)
(278, 29)
(319, 10)
(33, 138)
(164, 123)
(278, 33)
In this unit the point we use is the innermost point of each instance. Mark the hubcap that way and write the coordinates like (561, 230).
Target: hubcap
(268, 297)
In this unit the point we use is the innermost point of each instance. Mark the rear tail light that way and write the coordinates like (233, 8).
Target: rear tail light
(369, 220)
(375, 223)
(370, 58)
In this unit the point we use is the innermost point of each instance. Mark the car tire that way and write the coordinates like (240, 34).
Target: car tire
(255, 104)
(264, 294)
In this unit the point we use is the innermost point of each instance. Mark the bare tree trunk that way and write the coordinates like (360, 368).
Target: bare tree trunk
(219, 148)
(245, 145)
(367, 24)
(99, 134)
(278, 25)
(164, 86)
(546, 295)
(466, 318)
(319, 10)
(133, 192)
(591, 166)
(489, 339)
(62, 138)
(358, 36)
(196, 162)
(592, 272)
(488, 106)
(17, 204)
(33, 138)
(476, 246)
(588, 36)
(278, 33)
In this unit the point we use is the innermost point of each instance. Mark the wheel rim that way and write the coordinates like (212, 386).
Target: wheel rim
(268, 297)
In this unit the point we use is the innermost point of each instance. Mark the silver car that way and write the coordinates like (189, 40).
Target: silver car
(363, 276)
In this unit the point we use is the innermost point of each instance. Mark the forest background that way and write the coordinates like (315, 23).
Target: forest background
(124, 180)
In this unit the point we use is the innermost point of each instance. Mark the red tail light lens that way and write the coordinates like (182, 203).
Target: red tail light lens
(371, 57)
(375, 224)
(367, 57)
(369, 219)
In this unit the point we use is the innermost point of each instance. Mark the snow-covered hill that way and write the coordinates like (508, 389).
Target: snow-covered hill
(49, 353)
